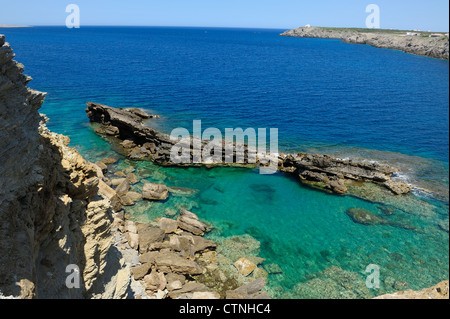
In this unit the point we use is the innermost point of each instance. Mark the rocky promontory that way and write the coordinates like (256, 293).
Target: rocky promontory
(141, 142)
(409, 42)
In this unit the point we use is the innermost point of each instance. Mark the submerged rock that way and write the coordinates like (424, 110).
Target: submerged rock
(365, 217)
(245, 266)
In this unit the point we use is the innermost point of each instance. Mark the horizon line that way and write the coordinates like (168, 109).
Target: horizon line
(6, 26)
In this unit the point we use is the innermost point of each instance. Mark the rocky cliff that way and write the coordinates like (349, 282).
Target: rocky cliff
(50, 213)
(419, 45)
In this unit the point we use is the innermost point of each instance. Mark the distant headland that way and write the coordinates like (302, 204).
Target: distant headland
(13, 26)
(424, 43)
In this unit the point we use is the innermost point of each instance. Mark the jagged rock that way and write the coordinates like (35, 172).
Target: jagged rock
(139, 113)
(153, 191)
(245, 266)
(102, 166)
(56, 210)
(366, 217)
(317, 170)
(149, 235)
(169, 261)
(168, 225)
(190, 222)
(128, 144)
(123, 187)
(399, 188)
(111, 194)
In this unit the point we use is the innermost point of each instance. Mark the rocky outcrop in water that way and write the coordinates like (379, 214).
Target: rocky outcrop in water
(440, 291)
(176, 262)
(419, 45)
(144, 143)
(51, 215)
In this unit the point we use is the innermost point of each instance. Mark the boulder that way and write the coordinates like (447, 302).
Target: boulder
(109, 160)
(111, 194)
(152, 191)
(123, 187)
(168, 225)
(117, 181)
(245, 266)
(140, 271)
(133, 240)
(128, 144)
(149, 235)
(188, 290)
(168, 261)
(398, 188)
(188, 221)
(134, 196)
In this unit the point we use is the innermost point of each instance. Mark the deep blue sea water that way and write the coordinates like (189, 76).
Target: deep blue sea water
(322, 95)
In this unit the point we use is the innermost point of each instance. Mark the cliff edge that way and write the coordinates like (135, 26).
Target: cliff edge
(51, 215)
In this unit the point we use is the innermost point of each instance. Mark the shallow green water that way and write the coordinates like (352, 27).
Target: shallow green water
(302, 230)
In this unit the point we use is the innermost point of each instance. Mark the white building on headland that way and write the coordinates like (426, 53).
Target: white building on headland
(413, 34)
(308, 26)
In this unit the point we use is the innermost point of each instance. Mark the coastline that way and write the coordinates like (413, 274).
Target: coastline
(414, 44)
(14, 26)
(85, 183)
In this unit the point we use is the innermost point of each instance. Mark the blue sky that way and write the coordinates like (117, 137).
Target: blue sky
(282, 14)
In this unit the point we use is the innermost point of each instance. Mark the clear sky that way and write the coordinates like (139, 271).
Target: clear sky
(282, 14)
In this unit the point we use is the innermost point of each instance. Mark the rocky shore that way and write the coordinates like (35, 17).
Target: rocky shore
(420, 45)
(144, 143)
(56, 210)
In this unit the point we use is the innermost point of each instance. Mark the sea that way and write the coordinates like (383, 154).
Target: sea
(323, 96)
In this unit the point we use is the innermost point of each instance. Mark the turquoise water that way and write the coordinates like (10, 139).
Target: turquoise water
(324, 96)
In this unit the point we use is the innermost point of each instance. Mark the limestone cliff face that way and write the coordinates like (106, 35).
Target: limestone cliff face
(50, 213)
